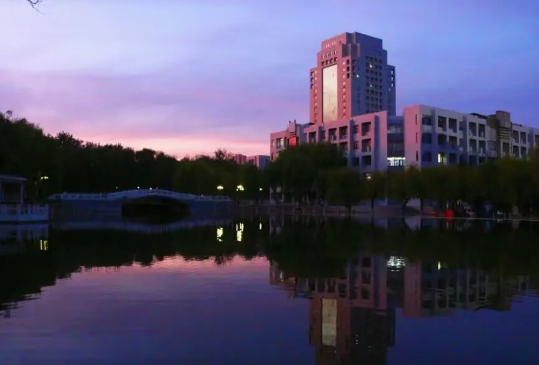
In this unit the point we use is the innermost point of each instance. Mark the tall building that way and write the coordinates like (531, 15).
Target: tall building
(351, 77)
(352, 105)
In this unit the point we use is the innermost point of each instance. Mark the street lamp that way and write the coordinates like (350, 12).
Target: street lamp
(240, 188)
(261, 189)
(220, 187)
(44, 178)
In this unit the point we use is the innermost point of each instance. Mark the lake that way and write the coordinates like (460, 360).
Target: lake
(271, 291)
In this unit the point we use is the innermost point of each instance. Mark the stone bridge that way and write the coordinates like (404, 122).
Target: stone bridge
(113, 205)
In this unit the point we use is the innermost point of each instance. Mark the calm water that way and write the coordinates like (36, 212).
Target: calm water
(271, 292)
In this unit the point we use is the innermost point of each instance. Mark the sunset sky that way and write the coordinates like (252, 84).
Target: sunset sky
(187, 76)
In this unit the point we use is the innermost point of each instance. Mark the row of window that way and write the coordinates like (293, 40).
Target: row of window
(329, 54)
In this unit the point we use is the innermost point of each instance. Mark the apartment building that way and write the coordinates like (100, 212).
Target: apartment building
(362, 139)
(434, 136)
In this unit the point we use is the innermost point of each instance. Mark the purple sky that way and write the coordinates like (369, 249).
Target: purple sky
(187, 76)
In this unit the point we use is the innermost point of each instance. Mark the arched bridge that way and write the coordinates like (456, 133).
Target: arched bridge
(110, 205)
(139, 194)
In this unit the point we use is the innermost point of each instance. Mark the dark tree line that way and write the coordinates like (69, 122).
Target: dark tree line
(310, 173)
(62, 163)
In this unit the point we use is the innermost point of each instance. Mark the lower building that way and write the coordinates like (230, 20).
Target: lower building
(362, 139)
(260, 161)
(423, 136)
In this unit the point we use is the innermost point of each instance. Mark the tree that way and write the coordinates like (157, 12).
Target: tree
(405, 185)
(375, 186)
(34, 3)
(222, 154)
(299, 170)
(343, 186)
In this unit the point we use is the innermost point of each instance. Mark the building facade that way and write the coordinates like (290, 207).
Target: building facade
(352, 105)
(423, 136)
(436, 136)
(260, 161)
(351, 77)
(362, 139)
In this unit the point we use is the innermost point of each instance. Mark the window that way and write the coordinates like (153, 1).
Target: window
(442, 139)
(417, 155)
(355, 161)
(365, 128)
(426, 157)
(366, 262)
(365, 293)
(395, 161)
(453, 124)
(426, 120)
(365, 277)
(367, 161)
(426, 138)
(442, 122)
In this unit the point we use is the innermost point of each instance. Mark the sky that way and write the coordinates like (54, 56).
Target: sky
(188, 76)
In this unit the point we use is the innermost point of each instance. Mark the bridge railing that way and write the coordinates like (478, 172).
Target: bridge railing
(134, 194)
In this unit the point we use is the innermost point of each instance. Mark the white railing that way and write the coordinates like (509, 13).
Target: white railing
(135, 194)
(23, 213)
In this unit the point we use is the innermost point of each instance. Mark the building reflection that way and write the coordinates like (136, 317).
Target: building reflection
(352, 317)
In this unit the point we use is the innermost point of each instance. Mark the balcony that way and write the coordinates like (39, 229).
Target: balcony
(366, 149)
(343, 136)
(332, 138)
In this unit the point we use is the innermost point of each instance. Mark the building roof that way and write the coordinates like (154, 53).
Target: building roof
(12, 179)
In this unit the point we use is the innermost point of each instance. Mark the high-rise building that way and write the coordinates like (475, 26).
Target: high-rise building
(351, 77)
(352, 105)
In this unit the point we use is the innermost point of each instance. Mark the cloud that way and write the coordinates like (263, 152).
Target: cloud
(188, 76)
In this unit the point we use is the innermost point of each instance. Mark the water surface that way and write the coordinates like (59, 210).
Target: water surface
(272, 291)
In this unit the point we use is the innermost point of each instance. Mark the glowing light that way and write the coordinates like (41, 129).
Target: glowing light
(220, 187)
(260, 226)
(240, 188)
(44, 178)
(439, 265)
(239, 232)
(261, 189)
(220, 232)
(44, 245)
(396, 262)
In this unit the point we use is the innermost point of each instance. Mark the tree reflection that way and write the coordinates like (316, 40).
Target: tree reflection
(356, 274)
